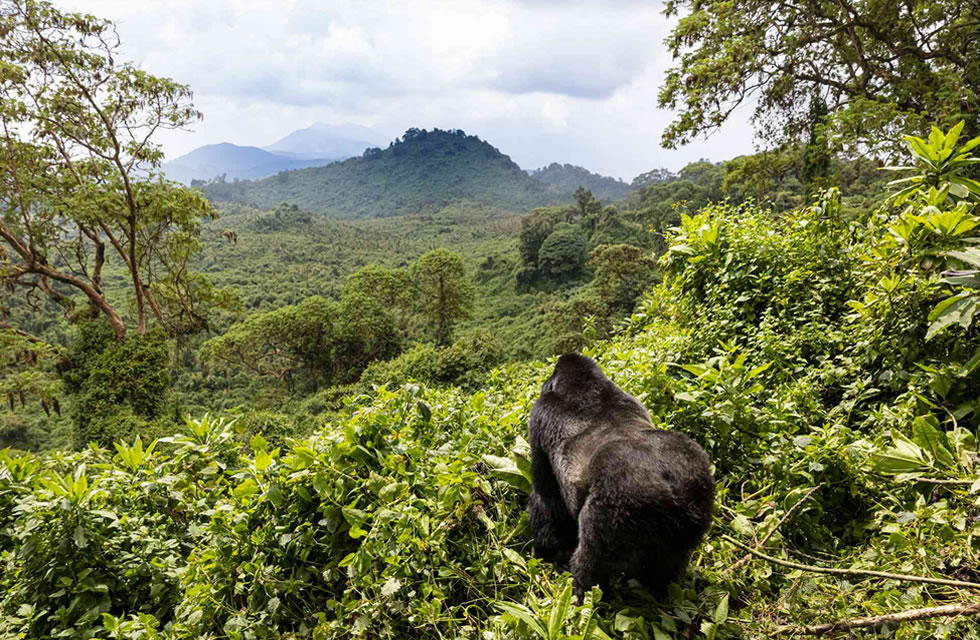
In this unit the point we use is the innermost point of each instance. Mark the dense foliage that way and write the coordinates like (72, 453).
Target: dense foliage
(368, 473)
(812, 352)
(79, 181)
(877, 67)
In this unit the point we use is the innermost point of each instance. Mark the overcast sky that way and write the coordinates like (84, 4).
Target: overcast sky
(543, 80)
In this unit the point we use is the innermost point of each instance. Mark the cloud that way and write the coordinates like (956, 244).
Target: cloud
(570, 81)
(582, 54)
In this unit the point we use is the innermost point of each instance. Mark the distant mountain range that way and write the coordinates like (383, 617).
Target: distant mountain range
(566, 178)
(421, 171)
(322, 140)
(316, 145)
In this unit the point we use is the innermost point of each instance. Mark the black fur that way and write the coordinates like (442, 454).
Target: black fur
(616, 493)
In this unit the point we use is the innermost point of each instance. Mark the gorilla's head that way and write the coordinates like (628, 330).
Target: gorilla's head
(576, 381)
(578, 386)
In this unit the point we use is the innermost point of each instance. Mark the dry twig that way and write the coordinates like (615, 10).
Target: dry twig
(945, 611)
(765, 539)
(906, 577)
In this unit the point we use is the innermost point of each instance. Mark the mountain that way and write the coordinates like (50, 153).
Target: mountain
(326, 140)
(566, 178)
(422, 171)
(233, 161)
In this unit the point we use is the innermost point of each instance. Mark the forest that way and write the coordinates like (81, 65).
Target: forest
(297, 407)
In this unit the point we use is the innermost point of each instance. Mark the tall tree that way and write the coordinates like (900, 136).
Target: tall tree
(79, 180)
(622, 273)
(444, 294)
(882, 66)
(564, 252)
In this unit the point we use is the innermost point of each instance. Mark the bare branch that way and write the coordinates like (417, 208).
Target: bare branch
(905, 577)
(874, 622)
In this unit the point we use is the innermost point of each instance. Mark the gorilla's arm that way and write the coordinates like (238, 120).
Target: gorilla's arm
(554, 529)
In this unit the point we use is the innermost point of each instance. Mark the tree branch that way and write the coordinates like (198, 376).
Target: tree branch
(765, 539)
(946, 611)
(852, 572)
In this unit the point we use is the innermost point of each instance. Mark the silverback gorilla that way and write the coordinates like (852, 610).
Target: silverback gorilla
(608, 487)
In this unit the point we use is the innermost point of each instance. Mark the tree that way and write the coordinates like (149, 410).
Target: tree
(564, 252)
(588, 207)
(622, 273)
(654, 176)
(284, 345)
(882, 66)
(535, 227)
(816, 160)
(79, 179)
(26, 370)
(763, 176)
(390, 286)
(119, 388)
(304, 346)
(445, 296)
(384, 293)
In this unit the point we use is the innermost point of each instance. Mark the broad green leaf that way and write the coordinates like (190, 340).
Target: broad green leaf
(927, 435)
(958, 309)
(524, 615)
(721, 611)
(514, 557)
(559, 612)
(262, 460)
(246, 488)
(970, 255)
(757, 370)
(903, 457)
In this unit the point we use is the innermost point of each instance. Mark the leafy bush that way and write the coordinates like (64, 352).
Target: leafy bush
(119, 390)
(465, 363)
(564, 252)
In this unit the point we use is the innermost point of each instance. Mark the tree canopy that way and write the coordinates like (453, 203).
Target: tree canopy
(445, 296)
(78, 180)
(881, 66)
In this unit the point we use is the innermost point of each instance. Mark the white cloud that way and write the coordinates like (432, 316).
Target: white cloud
(543, 80)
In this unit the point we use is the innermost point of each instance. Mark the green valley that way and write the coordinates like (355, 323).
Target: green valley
(298, 407)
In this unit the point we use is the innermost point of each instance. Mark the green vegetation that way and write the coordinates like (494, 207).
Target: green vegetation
(566, 178)
(875, 67)
(79, 180)
(422, 171)
(360, 468)
(119, 389)
(792, 345)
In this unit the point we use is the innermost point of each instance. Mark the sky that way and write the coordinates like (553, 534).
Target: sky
(542, 80)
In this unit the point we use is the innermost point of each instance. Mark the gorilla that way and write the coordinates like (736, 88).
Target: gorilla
(609, 488)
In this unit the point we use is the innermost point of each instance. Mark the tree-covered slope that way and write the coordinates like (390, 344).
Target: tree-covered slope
(422, 171)
(566, 178)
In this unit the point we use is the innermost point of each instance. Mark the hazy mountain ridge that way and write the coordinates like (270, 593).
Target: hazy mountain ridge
(421, 171)
(314, 146)
(233, 161)
(566, 178)
(326, 140)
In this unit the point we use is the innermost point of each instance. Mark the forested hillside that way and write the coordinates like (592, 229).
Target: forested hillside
(421, 171)
(566, 178)
(298, 407)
